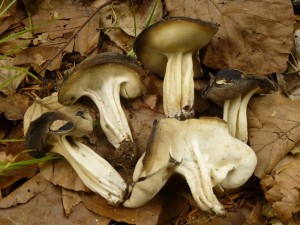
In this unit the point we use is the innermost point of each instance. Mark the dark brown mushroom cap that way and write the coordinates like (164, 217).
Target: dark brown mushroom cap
(107, 58)
(93, 71)
(39, 136)
(229, 83)
(169, 36)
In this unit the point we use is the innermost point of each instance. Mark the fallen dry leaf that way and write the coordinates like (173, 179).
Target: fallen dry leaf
(27, 191)
(231, 218)
(282, 189)
(121, 14)
(46, 208)
(16, 76)
(70, 199)
(164, 205)
(273, 129)
(16, 149)
(117, 21)
(7, 19)
(256, 216)
(60, 172)
(56, 22)
(141, 121)
(28, 57)
(14, 106)
(6, 158)
(254, 36)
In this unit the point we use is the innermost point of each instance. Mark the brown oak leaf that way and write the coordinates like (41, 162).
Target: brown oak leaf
(274, 129)
(254, 36)
(282, 189)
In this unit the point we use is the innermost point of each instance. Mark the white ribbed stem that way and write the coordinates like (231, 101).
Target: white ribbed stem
(242, 127)
(113, 120)
(94, 171)
(232, 115)
(178, 87)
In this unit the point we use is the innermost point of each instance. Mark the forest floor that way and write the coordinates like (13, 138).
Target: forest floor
(41, 42)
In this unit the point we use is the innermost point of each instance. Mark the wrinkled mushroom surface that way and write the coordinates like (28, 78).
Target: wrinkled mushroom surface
(166, 48)
(95, 172)
(235, 89)
(202, 151)
(103, 78)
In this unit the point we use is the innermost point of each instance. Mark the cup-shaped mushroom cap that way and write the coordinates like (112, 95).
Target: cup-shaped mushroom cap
(93, 72)
(229, 83)
(94, 171)
(176, 34)
(39, 136)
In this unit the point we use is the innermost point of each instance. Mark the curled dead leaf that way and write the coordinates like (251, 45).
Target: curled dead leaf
(282, 189)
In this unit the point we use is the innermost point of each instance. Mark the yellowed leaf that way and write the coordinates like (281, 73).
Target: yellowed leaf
(254, 36)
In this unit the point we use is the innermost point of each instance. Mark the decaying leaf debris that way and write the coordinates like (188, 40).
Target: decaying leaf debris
(254, 37)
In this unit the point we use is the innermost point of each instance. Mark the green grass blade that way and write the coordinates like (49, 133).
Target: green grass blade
(11, 140)
(5, 167)
(134, 18)
(7, 7)
(9, 81)
(151, 14)
(20, 69)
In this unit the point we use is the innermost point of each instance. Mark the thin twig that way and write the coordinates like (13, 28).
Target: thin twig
(75, 34)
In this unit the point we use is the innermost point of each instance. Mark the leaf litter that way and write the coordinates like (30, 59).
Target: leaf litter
(255, 37)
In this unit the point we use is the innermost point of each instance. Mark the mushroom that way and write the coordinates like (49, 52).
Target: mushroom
(166, 48)
(204, 160)
(236, 88)
(95, 172)
(103, 78)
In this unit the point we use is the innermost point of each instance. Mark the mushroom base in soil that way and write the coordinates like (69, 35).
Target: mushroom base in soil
(235, 89)
(94, 171)
(167, 48)
(204, 160)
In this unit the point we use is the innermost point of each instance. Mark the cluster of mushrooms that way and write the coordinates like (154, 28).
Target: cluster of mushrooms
(204, 151)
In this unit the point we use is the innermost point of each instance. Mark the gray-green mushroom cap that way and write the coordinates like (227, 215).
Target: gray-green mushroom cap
(167, 49)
